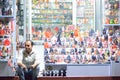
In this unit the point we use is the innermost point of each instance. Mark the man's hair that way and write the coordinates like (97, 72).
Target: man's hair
(32, 43)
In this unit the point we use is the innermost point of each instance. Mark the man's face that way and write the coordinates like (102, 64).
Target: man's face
(28, 46)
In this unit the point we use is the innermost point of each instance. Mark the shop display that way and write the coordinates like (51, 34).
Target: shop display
(112, 19)
(49, 14)
(111, 11)
(65, 43)
(6, 7)
(6, 29)
(85, 14)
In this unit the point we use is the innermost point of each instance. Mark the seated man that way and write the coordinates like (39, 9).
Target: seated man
(28, 61)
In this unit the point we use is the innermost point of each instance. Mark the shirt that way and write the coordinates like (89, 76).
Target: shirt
(28, 59)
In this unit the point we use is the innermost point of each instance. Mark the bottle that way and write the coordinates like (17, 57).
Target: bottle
(44, 73)
(59, 73)
(52, 73)
(64, 72)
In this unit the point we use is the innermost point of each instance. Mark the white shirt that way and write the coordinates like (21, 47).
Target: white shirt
(28, 59)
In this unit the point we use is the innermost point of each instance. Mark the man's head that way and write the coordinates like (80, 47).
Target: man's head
(28, 46)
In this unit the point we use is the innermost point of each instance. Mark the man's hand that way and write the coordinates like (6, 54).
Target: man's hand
(24, 67)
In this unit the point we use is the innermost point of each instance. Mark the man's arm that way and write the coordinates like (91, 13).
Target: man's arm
(35, 64)
(37, 60)
(21, 64)
(19, 60)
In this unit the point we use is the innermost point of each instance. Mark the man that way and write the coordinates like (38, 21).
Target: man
(28, 62)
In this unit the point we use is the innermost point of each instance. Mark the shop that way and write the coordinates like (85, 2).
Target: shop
(74, 37)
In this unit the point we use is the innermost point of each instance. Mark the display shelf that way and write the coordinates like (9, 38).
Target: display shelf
(51, 23)
(6, 40)
(50, 14)
(51, 9)
(45, 18)
(7, 18)
(3, 60)
(111, 12)
(85, 14)
(111, 24)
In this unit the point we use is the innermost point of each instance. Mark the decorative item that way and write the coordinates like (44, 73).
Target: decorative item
(6, 42)
(116, 21)
(107, 21)
(111, 21)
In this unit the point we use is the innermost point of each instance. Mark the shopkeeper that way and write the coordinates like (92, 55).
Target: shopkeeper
(28, 62)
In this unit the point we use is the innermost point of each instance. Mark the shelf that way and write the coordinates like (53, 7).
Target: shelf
(3, 60)
(8, 37)
(111, 14)
(50, 18)
(82, 17)
(112, 9)
(6, 16)
(52, 14)
(111, 24)
(85, 14)
(38, 42)
(51, 9)
(45, 12)
(53, 22)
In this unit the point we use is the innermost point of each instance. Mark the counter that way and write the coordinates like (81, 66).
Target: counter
(75, 70)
